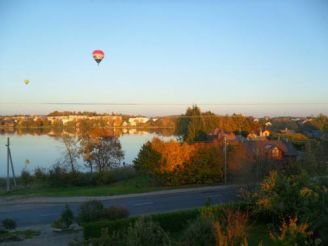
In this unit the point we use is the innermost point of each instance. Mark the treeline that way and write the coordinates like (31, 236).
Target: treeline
(71, 126)
(86, 113)
(312, 123)
(195, 125)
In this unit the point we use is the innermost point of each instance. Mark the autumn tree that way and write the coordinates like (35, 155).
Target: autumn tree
(204, 167)
(181, 163)
(172, 153)
(107, 153)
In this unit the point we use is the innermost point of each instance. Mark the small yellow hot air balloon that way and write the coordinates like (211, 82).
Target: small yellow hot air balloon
(26, 163)
(26, 81)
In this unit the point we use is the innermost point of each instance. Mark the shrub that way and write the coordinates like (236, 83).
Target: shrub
(9, 224)
(56, 176)
(292, 233)
(171, 222)
(93, 229)
(235, 227)
(40, 174)
(175, 221)
(58, 223)
(199, 233)
(123, 173)
(105, 177)
(77, 179)
(26, 178)
(115, 212)
(65, 220)
(211, 212)
(145, 232)
(67, 216)
(106, 238)
(298, 196)
(90, 211)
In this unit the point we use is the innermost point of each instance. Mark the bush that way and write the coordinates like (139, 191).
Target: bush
(123, 173)
(26, 178)
(93, 229)
(67, 216)
(104, 178)
(90, 211)
(9, 224)
(292, 233)
(298, 196)
(65, 220)
(115, 212)
(172, 222)
(58, 223)
(232, 228)
(106, 238)
(199, 233)
(40, 174)
(145, 232)
(56, 176)
(175, 221)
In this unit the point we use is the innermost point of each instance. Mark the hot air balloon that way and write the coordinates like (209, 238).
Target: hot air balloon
(26, 81)
(98, 55)
(26, 162)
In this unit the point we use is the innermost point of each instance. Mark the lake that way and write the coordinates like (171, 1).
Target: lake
(32, 151)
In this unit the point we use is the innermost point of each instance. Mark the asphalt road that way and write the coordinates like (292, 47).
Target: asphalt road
(39, 211)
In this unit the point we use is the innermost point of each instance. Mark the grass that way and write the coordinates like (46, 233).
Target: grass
(6, 236)
(137, 184)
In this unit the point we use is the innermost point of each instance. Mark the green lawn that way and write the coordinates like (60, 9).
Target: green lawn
(134, 185)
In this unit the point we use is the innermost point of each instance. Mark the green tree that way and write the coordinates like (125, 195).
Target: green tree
(107, 153)
(148, 160)
(195, 125)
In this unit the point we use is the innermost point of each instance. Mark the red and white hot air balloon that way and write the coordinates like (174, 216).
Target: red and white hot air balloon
(98, 55)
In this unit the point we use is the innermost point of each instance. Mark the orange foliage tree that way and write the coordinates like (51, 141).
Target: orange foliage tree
(172, 153)
(181, 163)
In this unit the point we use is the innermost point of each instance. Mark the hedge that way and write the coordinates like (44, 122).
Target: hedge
(171, 222)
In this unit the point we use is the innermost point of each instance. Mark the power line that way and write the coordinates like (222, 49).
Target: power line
(167, 104)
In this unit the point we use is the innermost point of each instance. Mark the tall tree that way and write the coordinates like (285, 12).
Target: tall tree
(71, 151)
(195, 125)
(87, 144)
(107, 153)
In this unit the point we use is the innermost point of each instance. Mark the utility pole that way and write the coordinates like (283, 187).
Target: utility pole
(10, 161)
(7, 181)
(225, 160)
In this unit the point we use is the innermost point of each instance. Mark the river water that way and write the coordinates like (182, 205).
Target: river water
(31, 151)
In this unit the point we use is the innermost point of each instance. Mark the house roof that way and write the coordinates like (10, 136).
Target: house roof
(256, 147)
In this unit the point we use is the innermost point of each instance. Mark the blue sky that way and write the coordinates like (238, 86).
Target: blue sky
(251, 57)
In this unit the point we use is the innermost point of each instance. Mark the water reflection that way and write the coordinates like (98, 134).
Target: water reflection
(109, 131)
(32, 148)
